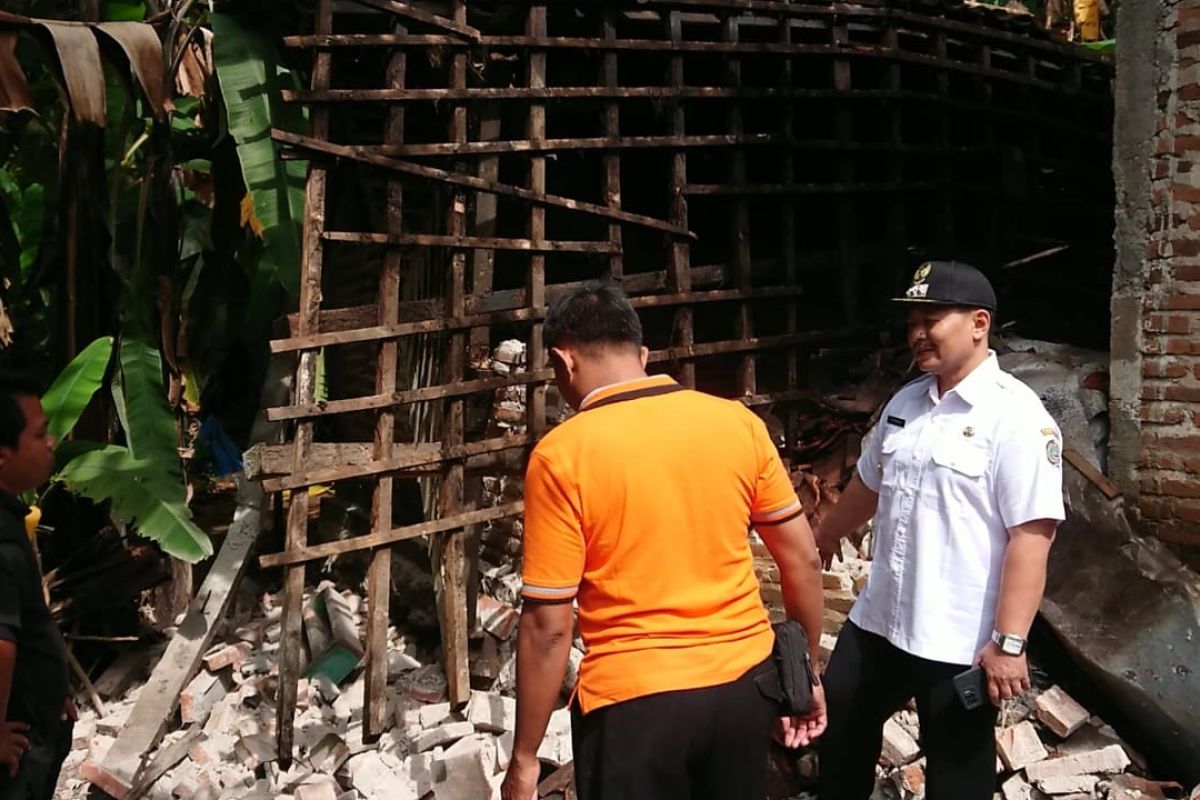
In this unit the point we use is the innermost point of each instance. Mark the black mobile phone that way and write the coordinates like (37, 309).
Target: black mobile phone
(971, 687)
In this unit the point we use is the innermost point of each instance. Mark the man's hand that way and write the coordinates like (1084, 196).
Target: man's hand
(14, 743)
(828, 547)
(1007, 676)
(69, 711)
(794, 732)
(521, 780)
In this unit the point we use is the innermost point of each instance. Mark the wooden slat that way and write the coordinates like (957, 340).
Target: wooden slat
(410, 11)
(450, 559)
(788, 239)
(379, 573)
(401, 329)
(346, 319)
(679, 276)
(468, 242)
(849, 277)
(422, 395)
(470, 181)
(312, 259)
(746, 345)
(611, 188)
(273, 460)
(591, 143)
(740, 222)
(718, 189)
(381, 539)
(535, 279)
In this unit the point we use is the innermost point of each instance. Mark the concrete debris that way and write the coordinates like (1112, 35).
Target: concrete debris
(1019, 746)
(899, 748)
(1107, 761)
(1059, 712)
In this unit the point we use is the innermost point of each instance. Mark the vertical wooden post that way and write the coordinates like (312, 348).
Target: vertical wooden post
(787, 222)
(895, 220)
(740, 228)
(612, 160)
(847, 224)
(536, 279)
(451, 559)
(379, 575)
(945, 219)
(312, 261)
(679, 275)
(483, 261)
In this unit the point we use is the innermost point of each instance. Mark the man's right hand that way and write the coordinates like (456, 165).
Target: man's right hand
(794, 732)
(14, 743)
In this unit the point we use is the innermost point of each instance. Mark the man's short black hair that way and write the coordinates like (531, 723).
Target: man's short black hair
(13, 386)
(590, 317)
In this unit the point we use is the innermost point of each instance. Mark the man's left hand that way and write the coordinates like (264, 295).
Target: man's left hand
(69, 712)
(1007, 675)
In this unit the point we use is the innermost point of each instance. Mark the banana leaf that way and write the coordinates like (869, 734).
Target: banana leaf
(139, 492)
(141, 402)
(249, 72)
(72, 390)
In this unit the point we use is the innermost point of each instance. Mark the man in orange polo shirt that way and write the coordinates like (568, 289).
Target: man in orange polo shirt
(639, 507)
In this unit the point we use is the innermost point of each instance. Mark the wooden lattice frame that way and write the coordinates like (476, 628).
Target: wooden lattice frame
(993, 53)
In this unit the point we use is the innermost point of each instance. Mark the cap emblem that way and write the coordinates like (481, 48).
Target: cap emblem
(922, 272)
(917, 291)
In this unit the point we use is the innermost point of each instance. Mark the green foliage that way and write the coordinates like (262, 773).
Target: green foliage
(251, 77)
(123, 11)
(140, 493)
(66, 399)
(150, 428)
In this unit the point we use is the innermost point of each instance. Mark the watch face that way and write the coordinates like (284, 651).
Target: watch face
(1011, 646)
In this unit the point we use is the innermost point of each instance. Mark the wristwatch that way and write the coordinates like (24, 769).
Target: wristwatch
(1009, 643)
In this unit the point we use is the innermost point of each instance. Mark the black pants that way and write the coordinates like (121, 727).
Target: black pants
(867, 681)
(37, 775)
(698, 744)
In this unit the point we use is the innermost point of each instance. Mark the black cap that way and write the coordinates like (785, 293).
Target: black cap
(950, 283)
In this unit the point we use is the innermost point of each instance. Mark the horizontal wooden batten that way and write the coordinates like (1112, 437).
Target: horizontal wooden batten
(435, 324)
(409, 456)
(371, 541)
(468, 242)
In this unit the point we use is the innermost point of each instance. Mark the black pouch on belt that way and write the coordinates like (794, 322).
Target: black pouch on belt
(792, 681)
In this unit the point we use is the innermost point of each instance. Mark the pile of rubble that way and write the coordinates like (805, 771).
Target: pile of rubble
(226, 747)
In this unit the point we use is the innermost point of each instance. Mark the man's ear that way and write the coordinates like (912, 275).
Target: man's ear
(644, 355)
(981, 324)
(564, 358)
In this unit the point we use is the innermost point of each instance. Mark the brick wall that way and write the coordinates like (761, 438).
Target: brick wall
(1156, 303)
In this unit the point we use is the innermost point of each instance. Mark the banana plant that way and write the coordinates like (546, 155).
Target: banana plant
(144, 486)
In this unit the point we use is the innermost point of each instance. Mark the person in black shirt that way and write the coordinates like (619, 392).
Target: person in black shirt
(36, 713)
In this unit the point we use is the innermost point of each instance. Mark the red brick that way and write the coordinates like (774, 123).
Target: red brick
(1155, 507)
(1183, 302)
(1160, 415)
(1181, 346)
(1182, 193)
(1174, 487)
(1188, 18)
(1185, 248)
(1186, 394)
(1176, 532)
(1196, 419)
(1187, 272)
(1189, 445)
(1163, 369)
(1187, 38)
(1163, 323)
(1162, 169)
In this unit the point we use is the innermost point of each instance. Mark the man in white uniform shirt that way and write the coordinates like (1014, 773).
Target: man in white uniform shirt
(963, 476)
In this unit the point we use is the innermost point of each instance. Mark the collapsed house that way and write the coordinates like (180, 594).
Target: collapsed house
(758, 175)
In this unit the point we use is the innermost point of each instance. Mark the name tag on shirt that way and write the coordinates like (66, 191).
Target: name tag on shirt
(899, 423)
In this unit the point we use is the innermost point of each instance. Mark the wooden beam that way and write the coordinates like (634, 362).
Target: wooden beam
(312, 259)
(275, 460)
(471, 182)
(408, 456)
(385, 538)
(468, 242)
(147, 722)
(679, 275)
(410, 11)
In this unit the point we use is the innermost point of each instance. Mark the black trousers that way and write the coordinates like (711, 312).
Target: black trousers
(697, 744)
(37, 775)
(868, 680)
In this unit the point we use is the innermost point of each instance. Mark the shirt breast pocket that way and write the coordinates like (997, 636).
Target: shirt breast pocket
(956, 481)
(889, 460)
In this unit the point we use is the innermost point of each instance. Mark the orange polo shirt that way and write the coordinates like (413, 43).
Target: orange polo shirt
(641, 505)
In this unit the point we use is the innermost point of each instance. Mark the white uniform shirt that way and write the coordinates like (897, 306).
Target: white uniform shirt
(954, 474)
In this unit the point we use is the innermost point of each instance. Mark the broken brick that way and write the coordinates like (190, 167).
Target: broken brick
(1059, 712)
